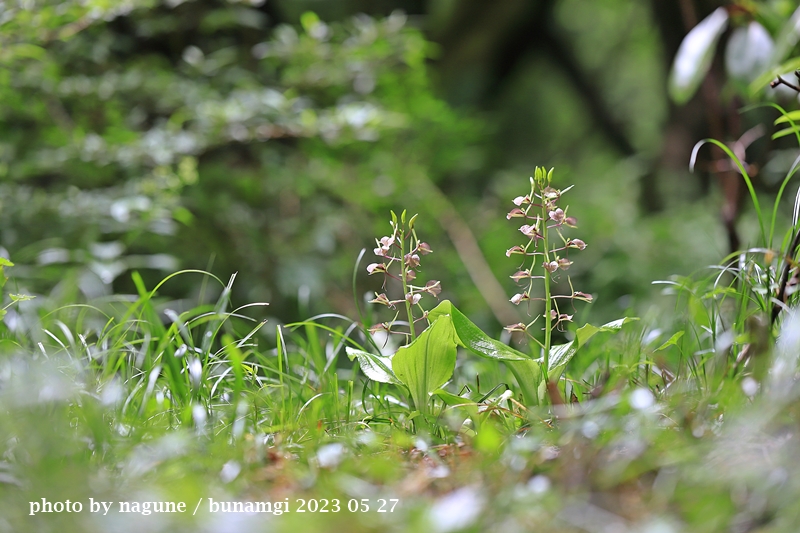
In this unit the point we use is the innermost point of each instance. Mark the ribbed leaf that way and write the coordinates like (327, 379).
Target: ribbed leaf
(471, 337)
(427, 363)
(375, 367)
(560, 355)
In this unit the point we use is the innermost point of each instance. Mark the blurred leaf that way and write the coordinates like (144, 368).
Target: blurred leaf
(791, 116)
(764, 79)
(673, 341)
(4, 263)
(787, 38)
(529, 378)
(309, 20)
(695, 55)
(784, 132)
(24, 50)
(748, 52)
(561, 355)
(583, 334)
(488, 440)
(452, 399)
(698, 311)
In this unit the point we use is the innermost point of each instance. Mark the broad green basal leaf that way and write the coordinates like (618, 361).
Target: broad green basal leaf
(695, 55)
(529, 378)
(427, 363)
(560, 355)
(375, 367)
(471, 337)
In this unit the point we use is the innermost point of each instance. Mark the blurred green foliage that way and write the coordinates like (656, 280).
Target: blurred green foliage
(150, 137)
(256, 138)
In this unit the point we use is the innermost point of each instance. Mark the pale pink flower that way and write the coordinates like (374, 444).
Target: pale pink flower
(520, 297)
(374, 268)
(519, 200)
(557, 215)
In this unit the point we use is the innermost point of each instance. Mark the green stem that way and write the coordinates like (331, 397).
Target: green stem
(403, 272)
(548, 301)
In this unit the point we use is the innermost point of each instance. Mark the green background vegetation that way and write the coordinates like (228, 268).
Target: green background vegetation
(258, 147)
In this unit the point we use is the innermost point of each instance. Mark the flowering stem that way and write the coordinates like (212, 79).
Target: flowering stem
(403, 278)
(548, 319)
(540, 207)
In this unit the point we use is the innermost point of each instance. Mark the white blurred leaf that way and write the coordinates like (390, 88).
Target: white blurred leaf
(787, 38)
(695, 55)
(748, 52)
